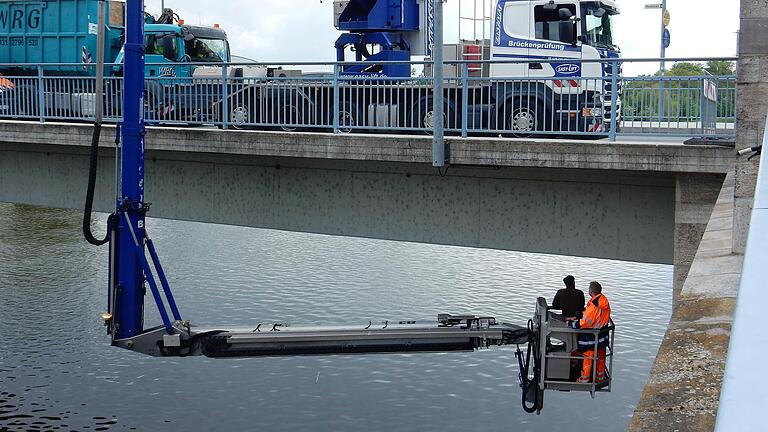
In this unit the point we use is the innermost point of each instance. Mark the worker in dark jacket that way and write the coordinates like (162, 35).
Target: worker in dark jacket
(569, 299)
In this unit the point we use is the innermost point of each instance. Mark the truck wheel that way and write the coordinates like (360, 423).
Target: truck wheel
(289, 115)
(526, 117)
(240, 116)
(422, 116)
(350, 118)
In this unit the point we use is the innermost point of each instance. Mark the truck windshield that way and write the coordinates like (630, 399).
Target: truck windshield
(598, 28)
(206, 50)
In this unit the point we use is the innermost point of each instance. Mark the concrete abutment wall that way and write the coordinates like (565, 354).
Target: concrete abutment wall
(695, 196)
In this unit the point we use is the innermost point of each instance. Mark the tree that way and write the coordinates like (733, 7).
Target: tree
(685, 69)
(720, 67)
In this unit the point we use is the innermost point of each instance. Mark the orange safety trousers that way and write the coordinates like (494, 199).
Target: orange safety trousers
(586, 366)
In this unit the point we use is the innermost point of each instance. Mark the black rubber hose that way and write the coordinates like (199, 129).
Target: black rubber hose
(527, 383)
(88, 210)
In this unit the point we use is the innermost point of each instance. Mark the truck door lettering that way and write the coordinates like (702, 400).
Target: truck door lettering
(33, 19)
(167, 71)
(499, 12)
(18, 18)
(15, 19)
(567, 68)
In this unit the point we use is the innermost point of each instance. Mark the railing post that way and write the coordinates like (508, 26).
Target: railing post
(614, 100)
(438, 140)
(335, 113)
(224, 96)
(464, 99)
(40, 93)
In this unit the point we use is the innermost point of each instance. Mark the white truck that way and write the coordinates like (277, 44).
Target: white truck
(532, 73)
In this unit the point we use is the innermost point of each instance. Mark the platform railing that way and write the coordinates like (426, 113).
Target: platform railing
(592, 98)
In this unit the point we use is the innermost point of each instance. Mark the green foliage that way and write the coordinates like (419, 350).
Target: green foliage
(720, 67)
(685, 69)
(681, 95)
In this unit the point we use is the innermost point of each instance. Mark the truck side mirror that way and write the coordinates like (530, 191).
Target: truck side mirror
(599, 12)
(567, 33)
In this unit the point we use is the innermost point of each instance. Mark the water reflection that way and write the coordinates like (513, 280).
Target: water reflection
(58, 372)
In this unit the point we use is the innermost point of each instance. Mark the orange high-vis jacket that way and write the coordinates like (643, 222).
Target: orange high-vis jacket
(597, 314)
(6, 84)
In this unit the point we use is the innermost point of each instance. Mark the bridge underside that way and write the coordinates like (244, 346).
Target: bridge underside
(606, 214)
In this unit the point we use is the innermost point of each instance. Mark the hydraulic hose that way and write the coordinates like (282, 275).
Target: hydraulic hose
(525, 382)
(92, 167)
(94, 158)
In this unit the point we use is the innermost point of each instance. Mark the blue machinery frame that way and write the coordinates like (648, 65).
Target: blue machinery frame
(128, 235)
(383, 24)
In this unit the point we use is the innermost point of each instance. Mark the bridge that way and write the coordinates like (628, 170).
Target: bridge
(638, 198)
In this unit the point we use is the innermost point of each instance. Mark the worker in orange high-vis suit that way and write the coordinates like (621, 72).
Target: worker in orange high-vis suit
(597, 315)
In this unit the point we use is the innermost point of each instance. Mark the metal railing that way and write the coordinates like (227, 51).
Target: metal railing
(507, 98)
(742, 396)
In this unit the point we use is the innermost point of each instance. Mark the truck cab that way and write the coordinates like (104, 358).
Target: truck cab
(556, 32)
(176, 51)
(177, 84)
(173, 51)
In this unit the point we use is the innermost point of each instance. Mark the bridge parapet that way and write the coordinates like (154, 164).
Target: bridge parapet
(638, 156)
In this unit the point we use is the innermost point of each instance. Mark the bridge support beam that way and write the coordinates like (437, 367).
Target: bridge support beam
(695, 196)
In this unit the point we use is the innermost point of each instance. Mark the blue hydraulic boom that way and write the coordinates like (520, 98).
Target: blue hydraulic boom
(546, 365)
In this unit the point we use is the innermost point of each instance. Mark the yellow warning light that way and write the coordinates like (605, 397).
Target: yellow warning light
(106, 316)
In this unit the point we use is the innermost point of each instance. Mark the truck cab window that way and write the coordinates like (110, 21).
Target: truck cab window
(164, 45)
(547, 21)
(206, 50)
(597, 27)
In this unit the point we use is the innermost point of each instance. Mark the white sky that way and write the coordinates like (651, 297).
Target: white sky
(302, 30)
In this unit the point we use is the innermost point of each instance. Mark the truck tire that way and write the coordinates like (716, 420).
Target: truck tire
(289, 114)
(350, 117)
(523, 116)
(421, 115)
(240, 115)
